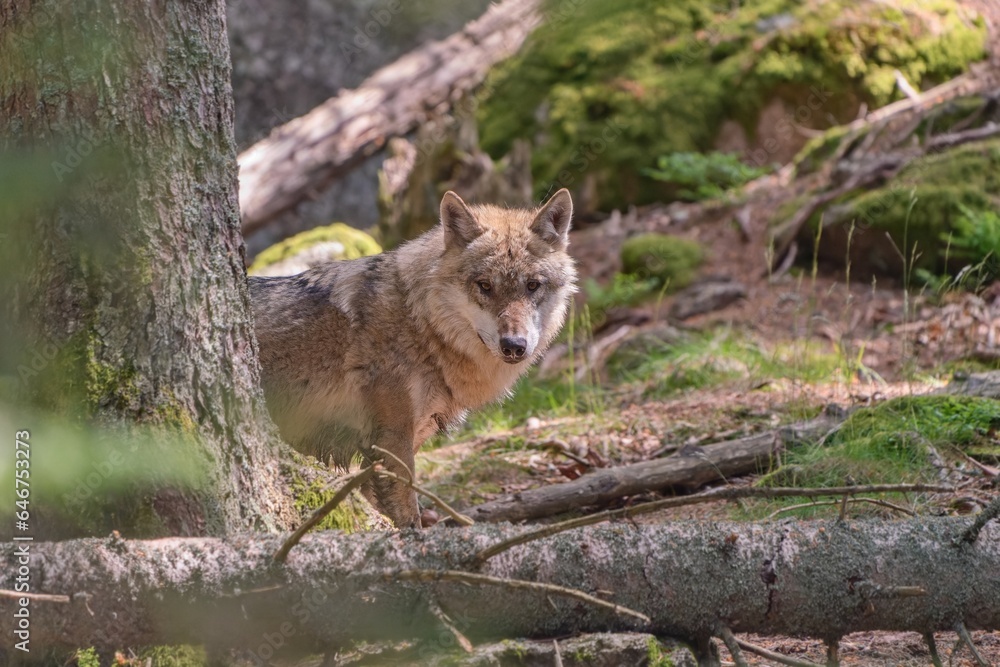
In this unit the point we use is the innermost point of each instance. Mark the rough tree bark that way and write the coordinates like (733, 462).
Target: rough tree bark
(124, 260)
(822, 579)
(305, 154)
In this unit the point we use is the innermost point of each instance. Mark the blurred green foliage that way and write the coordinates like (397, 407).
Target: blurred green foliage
(605, 88)
(702, 175)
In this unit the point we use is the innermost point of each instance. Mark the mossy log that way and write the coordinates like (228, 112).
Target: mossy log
(307, 153)
(821, 579)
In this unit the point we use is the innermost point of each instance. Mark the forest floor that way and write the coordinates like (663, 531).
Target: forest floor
(795, 343)
(645, 380)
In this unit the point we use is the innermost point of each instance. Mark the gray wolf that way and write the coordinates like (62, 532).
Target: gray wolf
(384, 351)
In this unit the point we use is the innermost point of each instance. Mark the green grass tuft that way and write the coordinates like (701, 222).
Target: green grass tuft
(886, 444)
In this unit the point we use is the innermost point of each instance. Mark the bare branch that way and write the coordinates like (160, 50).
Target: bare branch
(439, 614)
(820, 503)
(771, 655)
(482, 579)
(734, 648)
(964, 636)
(352, 483)
(992, 511)
(459, 518)
(40, 597)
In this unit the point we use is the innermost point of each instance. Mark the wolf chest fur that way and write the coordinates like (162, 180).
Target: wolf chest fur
(380, 353)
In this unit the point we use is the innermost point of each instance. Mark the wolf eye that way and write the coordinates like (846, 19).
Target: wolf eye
(533, 285)
(485, 286)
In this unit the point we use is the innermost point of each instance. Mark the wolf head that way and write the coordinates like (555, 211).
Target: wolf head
(512, 274)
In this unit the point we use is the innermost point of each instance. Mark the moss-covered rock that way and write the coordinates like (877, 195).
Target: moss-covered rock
(604, 89)
(669, 260)
(943, 195)
(321, 244)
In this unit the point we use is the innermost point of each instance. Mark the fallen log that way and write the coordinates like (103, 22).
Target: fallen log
(689, 469)
(304, 155)
(822, 579)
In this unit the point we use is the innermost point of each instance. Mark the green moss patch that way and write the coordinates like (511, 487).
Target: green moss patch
(350, 516)
(669, 261)
(939, 212)
(889, 443)
(607, 88)
(343, 242)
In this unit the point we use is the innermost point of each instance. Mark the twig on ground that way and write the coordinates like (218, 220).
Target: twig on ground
(905, 87)
(964, 636)
(554, 444)
(932, 649)
(734, 648)
(989, 471)
(352, 483)
(724, 493)
(482, 579)
(771, 655)
(818, 503)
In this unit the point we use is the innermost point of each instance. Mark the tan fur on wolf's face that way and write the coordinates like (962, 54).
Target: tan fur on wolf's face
(384, 351)
(513, 268)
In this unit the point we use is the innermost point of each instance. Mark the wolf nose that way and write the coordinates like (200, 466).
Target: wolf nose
(513, 348)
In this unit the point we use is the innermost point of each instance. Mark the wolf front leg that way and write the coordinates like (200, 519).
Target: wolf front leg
(394, 498)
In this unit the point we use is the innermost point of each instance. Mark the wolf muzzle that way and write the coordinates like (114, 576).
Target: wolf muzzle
(513, 348)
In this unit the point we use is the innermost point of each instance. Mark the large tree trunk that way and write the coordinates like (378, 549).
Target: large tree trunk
(304, 155)
(124, 261)
(822, 579)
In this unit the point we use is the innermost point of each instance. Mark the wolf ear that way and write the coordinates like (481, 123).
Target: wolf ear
(460, 226)
(552, 222)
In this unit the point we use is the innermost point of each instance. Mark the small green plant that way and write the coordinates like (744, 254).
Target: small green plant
(700, 176)
(87, 657)
(655, 654)
(623, 290)
(976, 235)
(975, 242)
